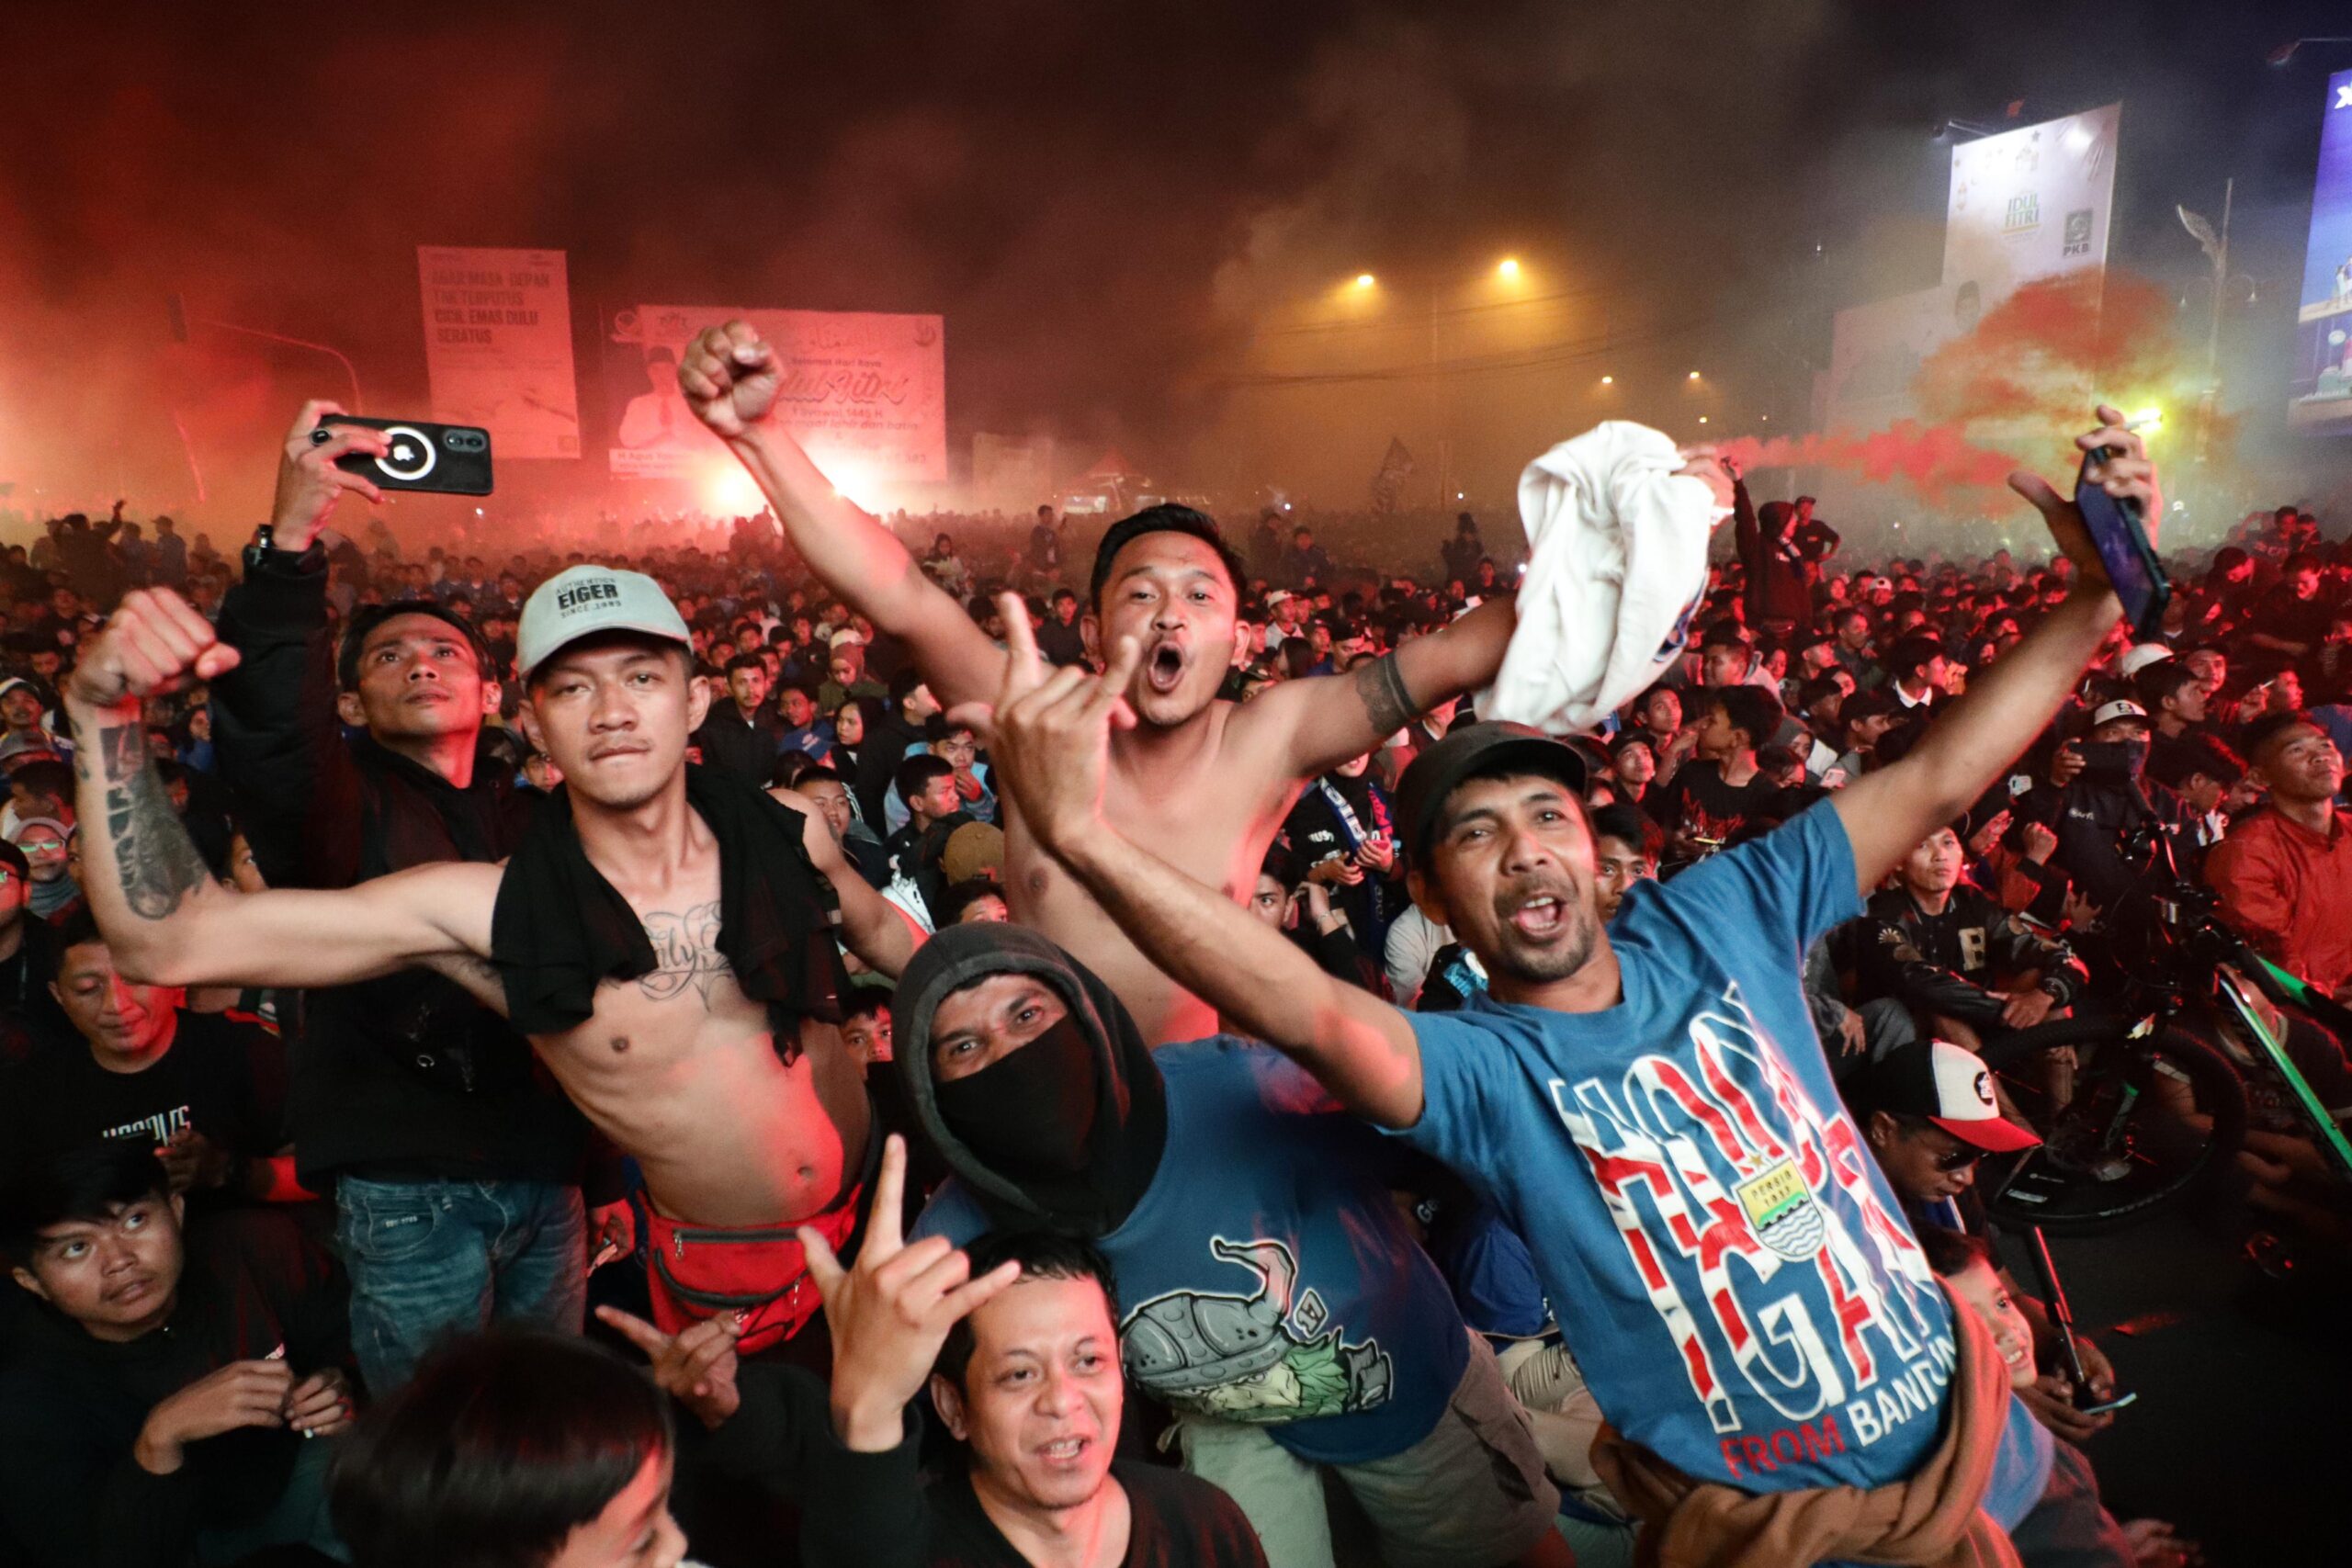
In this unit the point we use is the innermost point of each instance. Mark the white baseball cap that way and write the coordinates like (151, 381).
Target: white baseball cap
(2121, 707)
(1953, 1089)
(2139, 656)
(582, 601)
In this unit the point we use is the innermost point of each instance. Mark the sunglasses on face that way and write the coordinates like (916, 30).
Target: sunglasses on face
(1958, 1159)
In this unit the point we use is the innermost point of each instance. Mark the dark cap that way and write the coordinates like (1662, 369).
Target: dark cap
(1477, 750)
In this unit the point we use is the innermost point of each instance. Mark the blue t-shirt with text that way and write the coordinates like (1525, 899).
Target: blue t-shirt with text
(1722, 1255)
(1266, 1276)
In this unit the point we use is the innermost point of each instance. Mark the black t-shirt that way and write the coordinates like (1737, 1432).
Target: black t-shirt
(222, 1075)
(1698, 803)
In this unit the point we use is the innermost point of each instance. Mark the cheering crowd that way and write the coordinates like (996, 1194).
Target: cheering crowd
(853, 1051)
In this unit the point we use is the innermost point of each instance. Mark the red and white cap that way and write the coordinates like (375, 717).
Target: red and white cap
(1953, 1089)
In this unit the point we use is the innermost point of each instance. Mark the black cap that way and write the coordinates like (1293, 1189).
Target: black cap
(1476, 751)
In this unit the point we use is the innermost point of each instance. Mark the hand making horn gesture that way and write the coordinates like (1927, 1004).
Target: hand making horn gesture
(1050, 729)
(891, 1311)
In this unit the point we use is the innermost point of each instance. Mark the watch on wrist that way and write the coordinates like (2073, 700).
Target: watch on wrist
(263, 552)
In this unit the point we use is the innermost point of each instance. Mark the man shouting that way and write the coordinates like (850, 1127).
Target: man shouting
(1205, 781)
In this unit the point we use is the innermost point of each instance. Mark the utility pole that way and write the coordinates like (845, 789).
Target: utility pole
(2217, 250)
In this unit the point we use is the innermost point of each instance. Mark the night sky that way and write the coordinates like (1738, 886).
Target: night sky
(1130, 216)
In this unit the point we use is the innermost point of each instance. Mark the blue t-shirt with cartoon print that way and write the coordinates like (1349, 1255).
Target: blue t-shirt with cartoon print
(1266, 1276)
(1722, 1254)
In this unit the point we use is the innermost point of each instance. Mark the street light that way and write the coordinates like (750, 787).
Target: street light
(1608, 381)
(2285, 52)
(1694, 375)
(1365, 281)
(1509, 267)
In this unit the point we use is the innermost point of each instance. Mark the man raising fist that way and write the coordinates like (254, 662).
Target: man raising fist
(1206, 782)
(706, 1045)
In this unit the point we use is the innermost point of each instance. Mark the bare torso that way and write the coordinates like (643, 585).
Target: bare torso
(1210, 814)
(679, 1069)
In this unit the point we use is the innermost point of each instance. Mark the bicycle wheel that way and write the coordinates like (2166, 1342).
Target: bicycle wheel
(2146, 1122)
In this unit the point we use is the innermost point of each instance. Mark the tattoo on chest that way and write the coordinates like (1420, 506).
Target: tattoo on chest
(685, 953)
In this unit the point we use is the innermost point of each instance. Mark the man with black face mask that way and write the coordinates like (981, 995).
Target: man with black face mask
(2100, 803)
(1274, 1297)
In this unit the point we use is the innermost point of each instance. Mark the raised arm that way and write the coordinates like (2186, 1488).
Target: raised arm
(274, 713)
(730, 379)
(1888, 811)
(877, 931)
(167, 920)
(1050, 735)
(1317, 727)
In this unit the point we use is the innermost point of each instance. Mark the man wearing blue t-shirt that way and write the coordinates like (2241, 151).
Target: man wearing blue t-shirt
(1646, 1102)
(1272, 1296)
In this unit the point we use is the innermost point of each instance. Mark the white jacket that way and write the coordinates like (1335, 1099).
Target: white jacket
(1617, 567)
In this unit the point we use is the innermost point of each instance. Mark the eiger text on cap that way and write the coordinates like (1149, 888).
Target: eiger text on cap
(582, 601)
(1473, 750)
(2122, 707)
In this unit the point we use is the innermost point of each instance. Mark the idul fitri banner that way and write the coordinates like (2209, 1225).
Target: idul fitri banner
(2026, 204)
(498, 346)
(2029, 203)
(864, 392)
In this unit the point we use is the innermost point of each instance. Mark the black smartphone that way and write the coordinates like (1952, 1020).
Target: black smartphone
(448, 460)
(2131, 565)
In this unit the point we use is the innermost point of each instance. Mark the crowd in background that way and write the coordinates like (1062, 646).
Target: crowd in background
(307, 1213)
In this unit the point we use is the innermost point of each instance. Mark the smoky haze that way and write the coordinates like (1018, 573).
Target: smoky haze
(1141, 223)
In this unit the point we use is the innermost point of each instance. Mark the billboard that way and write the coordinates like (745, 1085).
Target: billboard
(2029, 203)
(864, 392)
(2026, 204)
(2321, 395)
(498, 346)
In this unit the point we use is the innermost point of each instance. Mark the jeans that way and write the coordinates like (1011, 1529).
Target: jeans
(432, 1259)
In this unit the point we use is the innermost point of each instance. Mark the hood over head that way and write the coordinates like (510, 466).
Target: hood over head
(1083, 1104)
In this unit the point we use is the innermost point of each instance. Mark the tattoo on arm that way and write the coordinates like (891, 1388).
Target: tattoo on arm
(1382, 687)
(155, 861)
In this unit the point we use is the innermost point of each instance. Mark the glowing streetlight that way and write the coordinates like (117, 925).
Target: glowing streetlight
(1702, 418)
(1694, 375)
(1608, 381)
(1509, 267)
(1365, 281)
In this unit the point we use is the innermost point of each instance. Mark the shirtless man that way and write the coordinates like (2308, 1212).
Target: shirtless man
(679, 1066)
(1205, 783)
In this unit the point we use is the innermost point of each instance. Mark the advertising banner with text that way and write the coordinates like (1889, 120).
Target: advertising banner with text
(864, 392)
(498, 346)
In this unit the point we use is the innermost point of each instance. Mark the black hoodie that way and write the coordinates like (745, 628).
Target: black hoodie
(1129, 1126)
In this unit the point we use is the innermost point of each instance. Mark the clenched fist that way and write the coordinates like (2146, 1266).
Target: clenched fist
(154, 642)
(729, 377)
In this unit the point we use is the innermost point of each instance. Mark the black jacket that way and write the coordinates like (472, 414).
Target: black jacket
(743, 749)
(1946, 963)
(71, 1407)
(407, 1074)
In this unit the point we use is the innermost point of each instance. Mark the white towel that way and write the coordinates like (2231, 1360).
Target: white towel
(1617, 567)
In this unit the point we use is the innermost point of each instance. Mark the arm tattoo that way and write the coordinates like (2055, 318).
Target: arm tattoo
(1382, 687)
(155, 860)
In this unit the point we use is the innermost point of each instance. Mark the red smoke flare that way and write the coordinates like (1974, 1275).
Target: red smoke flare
(2025, 380)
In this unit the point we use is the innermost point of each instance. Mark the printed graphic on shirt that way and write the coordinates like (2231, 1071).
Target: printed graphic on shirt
(1259, 1358)
(1800, 1308)
(160, 1128)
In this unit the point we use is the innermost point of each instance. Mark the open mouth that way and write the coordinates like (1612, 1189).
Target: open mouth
(1065, 1451)
(1165, 668)
(1541, 917)
(131, 1293)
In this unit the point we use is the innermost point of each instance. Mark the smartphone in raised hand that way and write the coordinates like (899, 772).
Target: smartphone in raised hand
(447, 459)
(2121, 536)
